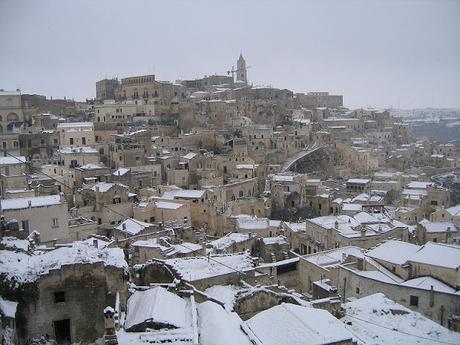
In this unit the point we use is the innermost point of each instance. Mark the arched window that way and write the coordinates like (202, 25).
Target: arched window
(12, 117)
(241, 194)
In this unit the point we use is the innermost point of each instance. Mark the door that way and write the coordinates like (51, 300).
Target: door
(62, 331)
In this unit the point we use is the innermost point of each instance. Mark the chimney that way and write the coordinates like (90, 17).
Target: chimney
(336, 224)
(95, 243)
(124, 226)
(30, 203)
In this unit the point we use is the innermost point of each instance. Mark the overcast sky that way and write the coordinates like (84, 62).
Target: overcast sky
(376, 53)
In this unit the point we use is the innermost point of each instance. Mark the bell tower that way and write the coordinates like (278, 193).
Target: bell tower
(241, 71)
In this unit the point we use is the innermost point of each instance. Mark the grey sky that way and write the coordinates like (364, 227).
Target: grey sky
(373, 52)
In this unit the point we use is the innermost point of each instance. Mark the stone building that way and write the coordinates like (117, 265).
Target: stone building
(105, 89)
(75, 134)
(11, 110)
(46, 214)
(64, 291)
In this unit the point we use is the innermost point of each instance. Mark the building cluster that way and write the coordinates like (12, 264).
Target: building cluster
(213, 211)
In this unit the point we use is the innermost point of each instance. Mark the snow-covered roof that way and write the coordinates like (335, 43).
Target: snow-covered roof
(275, 240)
(183, 194)
(21, 268)
(419, 185)
(121, 171)
(190, 155)
(438, 254)
(81, 149)
(454, 211)
(396, 252)
(150, 243)
(168, 205)
(12, 160)
(352, 207)
(246, 166)
(92, 166)
(156, 305)
(435, 227)
(37, 201)
(376, 319)
(132, 226)
(228, 240)
(219, 326)
(283, 178)
(197, 268)
(75, 125)
(251, 223)
(105, 186)
(426, 283)
(359, 180)
(334, 257)
(290, 324)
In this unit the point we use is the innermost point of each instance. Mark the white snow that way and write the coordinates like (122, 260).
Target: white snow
(167, 205)
(21, 268)
(396, 252)
(37, 201)
(290, 324)
(275, 240)
(198, 268)
(75, 124)
(190, 155)
(223, 293)
(156, 305)
(121, 171)
(183, 194)
(435, 227)
(228, 240)
(81, 149)
(334, 257)
(132, 226)
(15, 243)
(437, 254)
(359, 181)
(376, 319)
(419, 185)
(219, 326)
(105, 186)
(8, 308)
(12, 160)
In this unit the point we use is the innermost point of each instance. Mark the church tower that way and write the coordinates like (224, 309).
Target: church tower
(241, 71)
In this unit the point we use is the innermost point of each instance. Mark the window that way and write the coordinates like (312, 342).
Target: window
(71, 141)
(25, 225)
(357, 290)
(117, 200)
(434, 202)
(83, 141)
(413, 301)
(59, 297)
(55, 222)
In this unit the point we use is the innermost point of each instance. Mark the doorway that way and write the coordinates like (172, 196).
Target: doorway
(62, 331)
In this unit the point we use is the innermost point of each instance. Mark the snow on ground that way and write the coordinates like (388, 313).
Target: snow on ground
(13, 243)
(200, 267)
(290, 324)
(219, 326)
(376, 319)
(224, 293)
